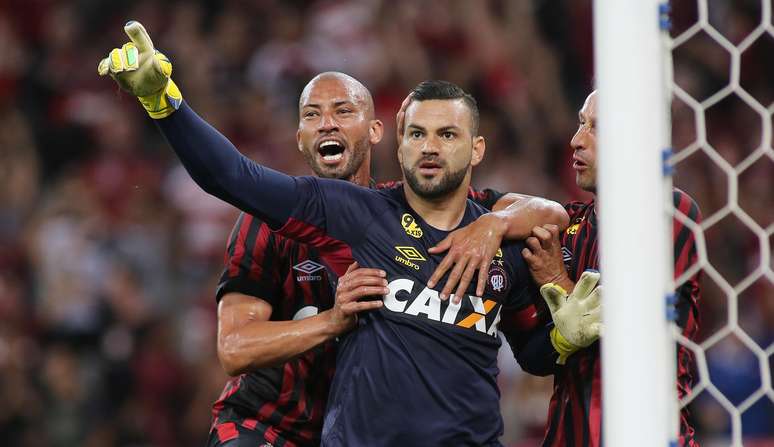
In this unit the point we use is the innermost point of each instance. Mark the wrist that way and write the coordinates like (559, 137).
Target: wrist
(498, 222)
(164, 102)
(563, 280)
(335, 326)
(563, 347)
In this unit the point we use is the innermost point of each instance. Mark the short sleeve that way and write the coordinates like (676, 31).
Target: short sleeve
(251, 267)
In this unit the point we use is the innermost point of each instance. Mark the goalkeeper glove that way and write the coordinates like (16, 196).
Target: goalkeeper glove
(577, 316)
(142, 71)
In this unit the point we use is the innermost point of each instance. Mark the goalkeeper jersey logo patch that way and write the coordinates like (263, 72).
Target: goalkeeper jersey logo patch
(410, 226)
(498, 280)
(472, 312)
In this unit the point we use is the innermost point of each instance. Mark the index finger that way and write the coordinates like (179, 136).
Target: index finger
(553, 229)
(364, 271)
(541, 233)
(483, 271)
(139, 36)
(351, 267)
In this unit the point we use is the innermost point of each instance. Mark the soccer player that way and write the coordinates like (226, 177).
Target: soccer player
(561, 258)
(276, 317)
(574, 417)
(418, 370)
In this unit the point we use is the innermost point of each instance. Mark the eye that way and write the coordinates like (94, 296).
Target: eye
(310, 114)
(448, 135)
(345, 111)
(415, 134)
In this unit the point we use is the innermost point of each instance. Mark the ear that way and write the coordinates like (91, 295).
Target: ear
(479, 147)
(375, 132)
(298, 141)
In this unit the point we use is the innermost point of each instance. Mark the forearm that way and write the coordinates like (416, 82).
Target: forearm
(534, 351)
(261, 344)
(522, 215)
(219, 169)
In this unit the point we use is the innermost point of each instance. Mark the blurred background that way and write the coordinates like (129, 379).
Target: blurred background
(109, 253)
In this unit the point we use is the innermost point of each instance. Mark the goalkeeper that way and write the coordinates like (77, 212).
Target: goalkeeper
(560, 258)
(442, 353)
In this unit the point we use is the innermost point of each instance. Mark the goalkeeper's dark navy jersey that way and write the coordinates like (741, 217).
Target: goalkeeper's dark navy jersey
(575, 418)
(284, 404)
(419, 371)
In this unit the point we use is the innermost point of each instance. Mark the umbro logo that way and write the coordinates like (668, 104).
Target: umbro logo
(408, 254)
(411, 253)
(308, 267)
(566, 255)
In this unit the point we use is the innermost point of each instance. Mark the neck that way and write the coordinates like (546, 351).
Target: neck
(362, 176)
(444, 213)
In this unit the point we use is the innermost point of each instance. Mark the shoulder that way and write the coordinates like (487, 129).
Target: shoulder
(392, 184)
(576, 207)
(484, 197)
(475, 208)
(685, 204)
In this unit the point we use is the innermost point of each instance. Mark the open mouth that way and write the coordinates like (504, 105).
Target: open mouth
(331, 151)
(579, 164)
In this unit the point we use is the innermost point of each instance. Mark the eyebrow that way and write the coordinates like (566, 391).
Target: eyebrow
(442, 129)
(335, 104)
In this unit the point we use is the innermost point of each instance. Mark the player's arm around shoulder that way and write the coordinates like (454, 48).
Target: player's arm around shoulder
(521, 213)
(249, 340)
(473, 247)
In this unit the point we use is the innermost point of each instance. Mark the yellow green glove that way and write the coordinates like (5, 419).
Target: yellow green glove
(142, 71)
(577, 316)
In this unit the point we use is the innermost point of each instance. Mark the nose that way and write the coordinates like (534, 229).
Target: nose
(430, 146)
(327, 123)
(578, 140)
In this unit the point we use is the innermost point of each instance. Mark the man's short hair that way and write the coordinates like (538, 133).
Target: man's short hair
(428, 90)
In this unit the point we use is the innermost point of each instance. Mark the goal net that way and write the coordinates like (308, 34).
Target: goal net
(722, 138)
(686, 99)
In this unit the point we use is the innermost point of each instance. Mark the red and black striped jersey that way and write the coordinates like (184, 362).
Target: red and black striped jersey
(574, 415)
(286, 403)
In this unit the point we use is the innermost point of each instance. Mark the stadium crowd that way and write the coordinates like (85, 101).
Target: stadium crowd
(109, 253)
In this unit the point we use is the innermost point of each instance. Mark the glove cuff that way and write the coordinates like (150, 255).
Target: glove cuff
(164, 103)
(562, 346)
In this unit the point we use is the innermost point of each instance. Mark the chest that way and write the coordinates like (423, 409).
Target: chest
(400, 246)
(303, 281)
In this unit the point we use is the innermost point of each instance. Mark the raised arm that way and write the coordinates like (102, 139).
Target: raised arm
(219, 169)
(213, 162)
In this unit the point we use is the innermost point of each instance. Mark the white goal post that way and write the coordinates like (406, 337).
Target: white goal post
(638, 367)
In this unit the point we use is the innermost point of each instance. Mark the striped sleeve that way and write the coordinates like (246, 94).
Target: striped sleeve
(250, 261)
(485, 197)
(685, 257)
